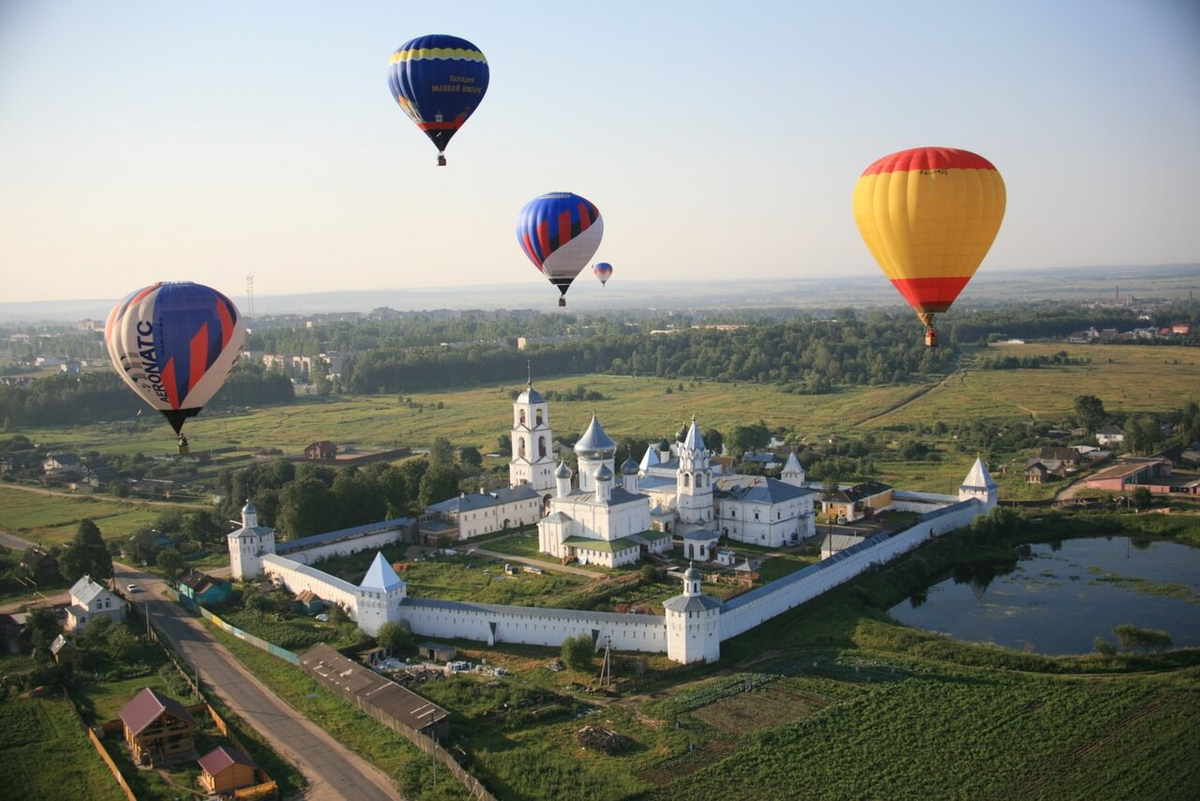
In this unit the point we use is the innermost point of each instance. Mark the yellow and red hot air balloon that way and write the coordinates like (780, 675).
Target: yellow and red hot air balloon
(929, 216)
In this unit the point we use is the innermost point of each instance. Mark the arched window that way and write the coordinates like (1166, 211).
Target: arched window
(522, 413)
(687, 479)
(541, 442)
(521, 447)
(538, 416)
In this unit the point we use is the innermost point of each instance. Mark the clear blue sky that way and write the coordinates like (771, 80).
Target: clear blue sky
(144, 141)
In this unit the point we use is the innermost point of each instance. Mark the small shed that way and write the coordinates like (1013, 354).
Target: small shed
(700, 545)
(320, 451)
(308, 602)
(726, 557)
(225, 769)
(158, 729)
(63, 650)
(436, 652)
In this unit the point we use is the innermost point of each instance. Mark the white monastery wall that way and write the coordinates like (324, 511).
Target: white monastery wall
(532, 625)
(369, 542)
(298, 577)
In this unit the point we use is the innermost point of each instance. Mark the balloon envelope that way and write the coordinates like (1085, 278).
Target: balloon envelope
(560, 232)
(929, 216)
(438, 81)
(603, 271)
(174, 344)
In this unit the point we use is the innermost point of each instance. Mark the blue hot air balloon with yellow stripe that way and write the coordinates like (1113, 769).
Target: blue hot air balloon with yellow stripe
(438, 81)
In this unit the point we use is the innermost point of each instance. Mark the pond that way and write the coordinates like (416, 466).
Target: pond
(1056, 598)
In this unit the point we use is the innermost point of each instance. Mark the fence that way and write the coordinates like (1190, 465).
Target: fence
(99, 746)
(421, 740)
(257, 642)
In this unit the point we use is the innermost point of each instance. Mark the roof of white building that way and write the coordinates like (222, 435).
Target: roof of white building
(979, 477)
(485, 500)
(252, 531)
(618, 496)
(530, 395)
(629, 467)
(700, 534)
(691, 603)
(793, 464)
(653, 482)
(650, 457)
(594, 441)
(380, 576)
(562, 471)
(693, 440)
(602, 473)
(84, 591)
(757, 489)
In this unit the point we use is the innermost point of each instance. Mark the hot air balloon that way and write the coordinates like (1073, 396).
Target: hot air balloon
(174, 344)
(928, 216)
(560, 232)
(603, 271)
(438, 81)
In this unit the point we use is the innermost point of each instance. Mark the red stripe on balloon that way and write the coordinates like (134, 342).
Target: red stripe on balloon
(930, 294)
(929, 158)
(198, 357)
(585, 219)
(168, 382)
(527, 245)
(564, 227)
(453, 125)
(226, 318)
(543, 232)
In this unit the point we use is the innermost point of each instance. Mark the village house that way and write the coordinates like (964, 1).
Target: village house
(89, 601)
(1110, 435)
(200, 589)
(857, 502)
(1153, 473)
(42, 566)
(225, 769)
(158, 729)
(319, 451)
(63, 650)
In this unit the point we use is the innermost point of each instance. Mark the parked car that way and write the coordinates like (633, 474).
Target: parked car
(133, 588)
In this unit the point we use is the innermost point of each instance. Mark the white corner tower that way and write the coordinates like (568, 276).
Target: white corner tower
(793, 472)
(594, 448)
(979, 484)
(379, 596)
(532, 442)
(693, 483)
(249, 544)
(693, 623)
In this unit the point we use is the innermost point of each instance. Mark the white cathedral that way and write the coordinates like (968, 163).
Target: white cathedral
(611, 519)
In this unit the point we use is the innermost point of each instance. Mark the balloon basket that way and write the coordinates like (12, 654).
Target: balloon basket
(562, 301)
(930, 338)
(182, 446)
(441, 160)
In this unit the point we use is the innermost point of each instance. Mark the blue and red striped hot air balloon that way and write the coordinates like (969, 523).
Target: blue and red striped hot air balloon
(603, 271)
(560, 232)
(174, 344)
(438, 81)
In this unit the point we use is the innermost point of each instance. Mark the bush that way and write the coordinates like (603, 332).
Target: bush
(578, 652)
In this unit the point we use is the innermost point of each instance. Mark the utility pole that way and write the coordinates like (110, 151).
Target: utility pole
(606, 674)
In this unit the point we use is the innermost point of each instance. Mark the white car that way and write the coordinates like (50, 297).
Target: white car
(133, 588)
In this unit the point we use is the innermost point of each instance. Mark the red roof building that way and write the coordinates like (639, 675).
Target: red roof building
(158, 729)
(225, 769)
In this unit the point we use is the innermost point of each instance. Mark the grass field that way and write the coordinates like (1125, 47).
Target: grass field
(50, 519)
(34, 731)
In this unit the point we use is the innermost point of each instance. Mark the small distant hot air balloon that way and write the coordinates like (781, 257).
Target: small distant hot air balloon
(929, 216)
(560, 232)
(174, 344)
(438, 81)
(603, 271)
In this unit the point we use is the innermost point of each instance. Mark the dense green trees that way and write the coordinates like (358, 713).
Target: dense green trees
(1089, 412)
(578, 652)
(87, 554)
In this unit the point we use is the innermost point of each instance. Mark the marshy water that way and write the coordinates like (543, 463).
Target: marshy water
(1056, 598)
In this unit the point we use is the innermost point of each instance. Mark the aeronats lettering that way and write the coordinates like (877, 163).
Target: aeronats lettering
(456, 87)
(145, 343)
(935, 172)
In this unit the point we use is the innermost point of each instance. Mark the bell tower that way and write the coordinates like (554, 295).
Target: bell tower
(532, 442)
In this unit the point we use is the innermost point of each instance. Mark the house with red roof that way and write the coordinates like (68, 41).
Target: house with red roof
(158, 729)
(225, 769)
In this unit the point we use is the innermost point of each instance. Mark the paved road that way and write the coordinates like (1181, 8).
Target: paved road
(333, 772)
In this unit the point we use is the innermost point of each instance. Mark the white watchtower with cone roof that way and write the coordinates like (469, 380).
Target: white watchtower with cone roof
(979, 484)
(379, 596)
(693, 623)
(532, 442)
(249, 544)
(693, 483)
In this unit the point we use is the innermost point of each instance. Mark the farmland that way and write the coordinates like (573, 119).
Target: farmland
(53, 518)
